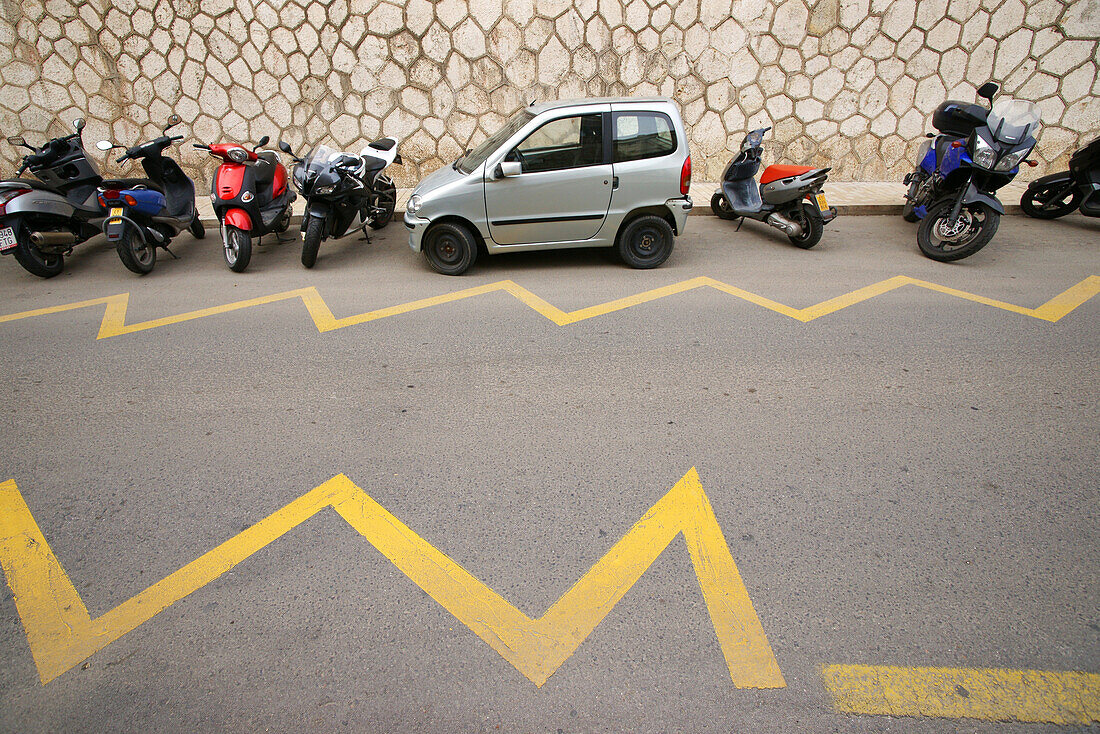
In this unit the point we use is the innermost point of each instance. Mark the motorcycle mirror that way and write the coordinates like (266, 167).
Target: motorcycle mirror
(104, 145)
(16, 140)
(262, 142)
(285, 147)
(988, 90)
(173, 120)
(79, 123)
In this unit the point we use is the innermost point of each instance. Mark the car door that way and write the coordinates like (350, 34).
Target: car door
(563, 190)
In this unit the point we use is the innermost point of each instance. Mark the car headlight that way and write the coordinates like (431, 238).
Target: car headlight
(414, 204)
(322, 190)
(1012, 160)
(237, 155)
(984, 155)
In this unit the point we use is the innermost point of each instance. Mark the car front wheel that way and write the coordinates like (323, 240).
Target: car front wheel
(450, 248)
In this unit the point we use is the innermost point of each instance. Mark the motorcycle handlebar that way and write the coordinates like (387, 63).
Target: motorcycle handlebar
(200, 146)
(176, 137)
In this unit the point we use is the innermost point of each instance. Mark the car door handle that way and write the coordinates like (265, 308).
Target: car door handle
(614, 182)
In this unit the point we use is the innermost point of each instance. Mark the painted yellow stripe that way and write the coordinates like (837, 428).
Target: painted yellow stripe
(62, 633)
(1035, 696)
(114, 316)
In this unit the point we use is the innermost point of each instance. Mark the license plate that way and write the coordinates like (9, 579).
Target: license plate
(822, 204)
(7, 239)
(116, 211)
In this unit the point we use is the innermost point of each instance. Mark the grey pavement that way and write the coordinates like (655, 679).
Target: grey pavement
(911, 480)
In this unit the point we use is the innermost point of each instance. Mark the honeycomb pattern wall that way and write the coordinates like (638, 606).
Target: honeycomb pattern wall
(846, 83)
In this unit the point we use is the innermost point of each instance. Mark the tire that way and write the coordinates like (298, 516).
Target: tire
(720, 205)
(237, 249)
(33, 260)
(385, 199)
(812, 228)
(1037, 200)
(196, 229)
(645, 242)
(135, 254)
(981, 224)
(450, 248)
(907, 208)
(284, 221)
(311, 240)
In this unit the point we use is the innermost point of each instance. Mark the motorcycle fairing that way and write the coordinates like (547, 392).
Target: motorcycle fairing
(743, 195)
(776, 171)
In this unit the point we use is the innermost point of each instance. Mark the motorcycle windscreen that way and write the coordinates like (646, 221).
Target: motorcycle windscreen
(1012, 120)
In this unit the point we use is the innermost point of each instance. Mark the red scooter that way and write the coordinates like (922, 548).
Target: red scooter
(251, 198)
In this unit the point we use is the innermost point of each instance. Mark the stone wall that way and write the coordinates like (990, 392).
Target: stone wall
(847, 83)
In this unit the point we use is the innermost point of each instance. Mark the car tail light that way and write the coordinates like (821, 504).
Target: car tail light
(685, 177)
(8, 195)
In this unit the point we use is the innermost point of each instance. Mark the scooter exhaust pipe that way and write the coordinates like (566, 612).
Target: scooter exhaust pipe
(777, 220)
(53, 239)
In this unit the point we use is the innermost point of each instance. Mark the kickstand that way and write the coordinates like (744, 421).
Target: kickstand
(174, 256)
(739, 223)
(366, 235)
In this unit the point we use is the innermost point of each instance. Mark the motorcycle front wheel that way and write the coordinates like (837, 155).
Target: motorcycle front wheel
(33, 260)
(237, 248)
(135, 253)
(944, 240)
(721, 207)
(311, 240)
(1050, 200)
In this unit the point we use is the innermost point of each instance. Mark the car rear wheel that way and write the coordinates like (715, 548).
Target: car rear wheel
(450, 248)
(645, 242)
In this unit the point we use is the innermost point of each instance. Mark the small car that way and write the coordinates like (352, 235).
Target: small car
(573, 173)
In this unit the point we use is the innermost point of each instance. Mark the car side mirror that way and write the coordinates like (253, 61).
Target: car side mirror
(988, 90)
(262, 142)
(508, 169)
(79, 123)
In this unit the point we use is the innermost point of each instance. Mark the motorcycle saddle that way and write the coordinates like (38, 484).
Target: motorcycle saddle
(131, 183)
(26, 183)
(383, 144)
(370, 163)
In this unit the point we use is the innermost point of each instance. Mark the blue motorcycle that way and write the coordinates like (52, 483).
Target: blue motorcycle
(952, 192)
(144, 214)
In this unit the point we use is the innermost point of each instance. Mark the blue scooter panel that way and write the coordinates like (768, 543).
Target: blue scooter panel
(149, 202)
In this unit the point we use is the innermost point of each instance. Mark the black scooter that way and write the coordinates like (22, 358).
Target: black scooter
(1060, 194)
(343, 192)
(42, 219)
(144, 214)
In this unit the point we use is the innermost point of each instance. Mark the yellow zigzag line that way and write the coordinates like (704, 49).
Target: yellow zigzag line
(61, 633)
(114, 316)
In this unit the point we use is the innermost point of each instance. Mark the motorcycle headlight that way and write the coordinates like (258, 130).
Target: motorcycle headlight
(414, 204)
(1012, 160)
(237, 155)
(322, 190)
(984, 155)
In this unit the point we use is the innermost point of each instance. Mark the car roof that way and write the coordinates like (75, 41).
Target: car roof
(539, 107)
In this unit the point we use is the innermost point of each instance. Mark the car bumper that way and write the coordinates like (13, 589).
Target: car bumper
(680, 209)
(416, 227)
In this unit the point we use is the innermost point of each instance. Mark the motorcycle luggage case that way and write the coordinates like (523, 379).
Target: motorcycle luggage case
(958, 118)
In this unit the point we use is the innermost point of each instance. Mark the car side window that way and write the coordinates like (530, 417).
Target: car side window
(566, 142)
(641, 135)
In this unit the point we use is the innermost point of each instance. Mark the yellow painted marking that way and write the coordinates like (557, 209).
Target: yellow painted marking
(61, 632)
(994, 695)
(114, 316)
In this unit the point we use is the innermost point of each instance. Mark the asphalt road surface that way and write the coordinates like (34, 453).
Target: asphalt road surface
(908, 479)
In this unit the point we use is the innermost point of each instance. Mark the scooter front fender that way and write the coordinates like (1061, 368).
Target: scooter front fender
(973, 195)
(238, 218)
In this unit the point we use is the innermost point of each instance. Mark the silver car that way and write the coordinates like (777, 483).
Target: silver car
(580, 173)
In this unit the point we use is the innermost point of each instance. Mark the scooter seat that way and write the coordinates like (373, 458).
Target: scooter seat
(777, 172)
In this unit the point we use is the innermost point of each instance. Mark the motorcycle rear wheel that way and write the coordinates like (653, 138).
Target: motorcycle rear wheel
(385, 199)
(237, 249)
(1039, 200)
(196, 229)
(135, 253)
(33, 260)
(943, 241)
(812, 228)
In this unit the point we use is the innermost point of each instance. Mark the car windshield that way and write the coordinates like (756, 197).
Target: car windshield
(477, 156)
(1013, 120)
